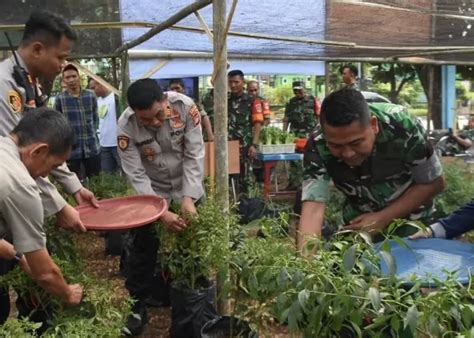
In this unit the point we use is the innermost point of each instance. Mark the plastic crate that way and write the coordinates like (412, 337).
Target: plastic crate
(287, 148)
(276, 148)
(267, 148)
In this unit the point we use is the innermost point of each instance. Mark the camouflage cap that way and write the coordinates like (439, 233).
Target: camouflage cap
(298, 85)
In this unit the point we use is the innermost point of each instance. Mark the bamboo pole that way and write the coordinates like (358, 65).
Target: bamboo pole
(341, 44)
(221, 150)
(154, 69)
(96, 78)
(184, 12)
(148, 54)
(204, 26)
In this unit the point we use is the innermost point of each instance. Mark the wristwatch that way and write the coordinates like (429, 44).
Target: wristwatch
(17, 258)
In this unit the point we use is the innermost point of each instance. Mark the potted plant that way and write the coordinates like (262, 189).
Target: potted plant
(192, 258)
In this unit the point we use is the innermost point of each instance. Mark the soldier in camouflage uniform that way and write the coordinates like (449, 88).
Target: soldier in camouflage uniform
(349, 76)
(466, 136)
(301, 112)
(245, 119)
(301, 115)
(380, 160)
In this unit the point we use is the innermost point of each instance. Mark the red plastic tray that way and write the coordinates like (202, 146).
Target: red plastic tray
(123, 212)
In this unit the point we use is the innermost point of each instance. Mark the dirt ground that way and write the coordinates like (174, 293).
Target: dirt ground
(91, 248)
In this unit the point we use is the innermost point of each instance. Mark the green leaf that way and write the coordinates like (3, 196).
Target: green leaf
(374, 297)
(356, 317)
(366, 237)
(293, 316)
(395, 323)
(389, 261)
(411, 318)
(401, 243)
(357, 329)
(466, 314)
(303, 296)
(433, 327)
(349, 258)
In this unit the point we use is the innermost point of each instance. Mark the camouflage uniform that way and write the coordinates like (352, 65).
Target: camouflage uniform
(301, 115)
(467, 133)
(207, 103)
(401, 156)
(354, 86)
(243, 113)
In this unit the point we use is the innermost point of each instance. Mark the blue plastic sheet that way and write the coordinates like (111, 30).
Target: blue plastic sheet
(428, 259)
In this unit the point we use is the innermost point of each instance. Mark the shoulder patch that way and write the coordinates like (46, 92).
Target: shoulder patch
(14, 99)
(176, 121)
(195, 115)
(123, 142)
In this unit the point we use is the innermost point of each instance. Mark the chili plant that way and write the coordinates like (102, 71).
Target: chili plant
(340, 292)
(193, 255)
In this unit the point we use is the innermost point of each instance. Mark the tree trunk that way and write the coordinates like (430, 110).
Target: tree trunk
(393, 84)
(434, 104)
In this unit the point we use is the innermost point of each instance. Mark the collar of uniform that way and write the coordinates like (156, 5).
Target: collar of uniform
(20, 61)
(11, 146)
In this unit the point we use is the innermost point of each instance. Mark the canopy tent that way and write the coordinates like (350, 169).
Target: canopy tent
(421, 31)
(263, 17)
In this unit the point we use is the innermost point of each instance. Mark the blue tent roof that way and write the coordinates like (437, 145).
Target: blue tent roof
(297, 18)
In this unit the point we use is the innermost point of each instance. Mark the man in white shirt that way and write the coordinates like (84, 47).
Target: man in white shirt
(107, 110)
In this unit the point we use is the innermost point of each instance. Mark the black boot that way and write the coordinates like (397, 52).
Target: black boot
(137, 320)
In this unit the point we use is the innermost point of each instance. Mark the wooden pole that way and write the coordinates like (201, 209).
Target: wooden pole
(184, 12)
(125, 80)
(220, 111)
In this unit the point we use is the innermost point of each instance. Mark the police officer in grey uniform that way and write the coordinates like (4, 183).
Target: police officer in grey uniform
(39, 143)
(162, 152)
(47, 42)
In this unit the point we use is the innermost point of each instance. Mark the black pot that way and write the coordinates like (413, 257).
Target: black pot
(226, 326)
(191, 309)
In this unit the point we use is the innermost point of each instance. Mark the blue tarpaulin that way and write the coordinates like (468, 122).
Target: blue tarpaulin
(297, 18)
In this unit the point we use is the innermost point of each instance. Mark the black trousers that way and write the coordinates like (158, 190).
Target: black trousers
(5, 267)
(85, 167)
(142, 266)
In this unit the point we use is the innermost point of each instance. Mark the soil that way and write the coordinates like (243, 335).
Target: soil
(91, 247)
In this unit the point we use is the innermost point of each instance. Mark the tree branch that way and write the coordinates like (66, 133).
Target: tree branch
(195, 6)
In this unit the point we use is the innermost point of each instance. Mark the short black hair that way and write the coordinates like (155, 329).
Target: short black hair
(70, 66)
(48, 28)
(177, 81)
(143, 93)
(343, 107)
(48, 126)
(352, 68)
(236, 72)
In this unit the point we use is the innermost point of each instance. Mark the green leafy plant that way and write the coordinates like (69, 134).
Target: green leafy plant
(99, 314)
(274, 135)
(109, 185)
(194, 255)
(459, 188)
(341, 292)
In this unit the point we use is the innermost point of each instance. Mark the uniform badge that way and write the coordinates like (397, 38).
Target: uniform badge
(123, 142)
(168, 112)
(195, 115)
(176, 122)
(149, 154)
(14, 99)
